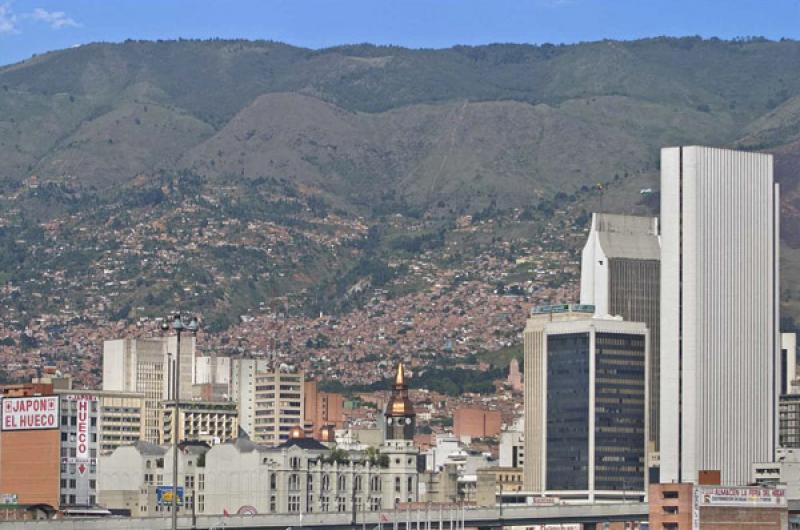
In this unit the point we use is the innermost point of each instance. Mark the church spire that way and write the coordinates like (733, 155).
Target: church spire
(400, 415)
(400, 377)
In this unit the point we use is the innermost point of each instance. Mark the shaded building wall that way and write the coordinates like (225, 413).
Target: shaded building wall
(30, 465)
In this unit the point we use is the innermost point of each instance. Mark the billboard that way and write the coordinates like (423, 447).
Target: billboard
(164, 495)
(746, 497)
(30, 413)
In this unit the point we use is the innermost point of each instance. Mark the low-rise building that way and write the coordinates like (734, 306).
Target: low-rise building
(784, 472)
(691, 507)
(211, 422)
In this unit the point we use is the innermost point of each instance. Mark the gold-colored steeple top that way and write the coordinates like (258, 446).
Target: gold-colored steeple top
(400, 377)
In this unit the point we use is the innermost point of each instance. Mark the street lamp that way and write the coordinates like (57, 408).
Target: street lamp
(178, 326)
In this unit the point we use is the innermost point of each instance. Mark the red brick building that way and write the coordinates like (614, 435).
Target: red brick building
(477, 423)
(690, 507)
(321, 409)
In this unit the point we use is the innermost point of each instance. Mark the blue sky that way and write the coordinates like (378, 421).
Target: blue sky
(36, 26)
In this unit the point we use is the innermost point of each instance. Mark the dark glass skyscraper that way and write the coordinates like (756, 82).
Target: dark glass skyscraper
(596, 409)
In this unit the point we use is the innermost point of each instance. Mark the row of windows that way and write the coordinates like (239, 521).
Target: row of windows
(72, 484)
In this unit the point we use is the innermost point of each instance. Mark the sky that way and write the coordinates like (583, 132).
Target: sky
(30, 27)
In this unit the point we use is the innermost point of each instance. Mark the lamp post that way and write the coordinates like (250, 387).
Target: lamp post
(178, 326)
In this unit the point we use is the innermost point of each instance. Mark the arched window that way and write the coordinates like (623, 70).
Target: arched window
(294, 482)
(326, 482)
(375, 484)
(273, 481)
(341, 483)
(397, 485)
(410, 484)
(358, 482)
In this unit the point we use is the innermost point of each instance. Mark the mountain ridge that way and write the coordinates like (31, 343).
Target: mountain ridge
(368, 131)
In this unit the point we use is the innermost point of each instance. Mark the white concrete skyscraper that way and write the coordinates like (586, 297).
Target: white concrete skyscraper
(719, 312)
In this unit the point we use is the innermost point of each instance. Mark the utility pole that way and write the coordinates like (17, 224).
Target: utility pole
(178, 326)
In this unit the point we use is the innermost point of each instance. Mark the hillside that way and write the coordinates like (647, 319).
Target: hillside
(262, 176)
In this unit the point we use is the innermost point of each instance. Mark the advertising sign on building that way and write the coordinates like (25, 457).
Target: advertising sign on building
(748, 497)
(164, 495)
(30, 413)
(82, 436)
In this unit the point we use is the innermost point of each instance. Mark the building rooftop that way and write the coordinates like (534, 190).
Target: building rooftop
(627, 236)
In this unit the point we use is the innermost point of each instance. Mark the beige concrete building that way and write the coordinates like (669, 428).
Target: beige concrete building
(119, 417)
(144, 366)
(298, 476)
(535, 389)
(496, 480)
(134, 478)
(211, 422)
(270, 401)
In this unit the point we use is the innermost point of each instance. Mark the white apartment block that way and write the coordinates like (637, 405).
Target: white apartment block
(270, 401)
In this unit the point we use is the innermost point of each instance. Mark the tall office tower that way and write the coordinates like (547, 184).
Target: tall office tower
(594, 424)
(620, 275)
(271, 401)
(534, 383)
(719, 312)
(144, 366)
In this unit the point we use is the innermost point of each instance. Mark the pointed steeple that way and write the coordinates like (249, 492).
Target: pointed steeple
(400, 416)
(400, 377)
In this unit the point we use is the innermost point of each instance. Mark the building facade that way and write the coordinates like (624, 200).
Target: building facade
(300, 475)
(690, 507)
(595, 410)
(30, 441)
(476, 422)
(119, 420)
(719, 312)
(271, 400)
(534, 381)
(211, 422)
(321, 409)
(79, 433)
(620, 276)
(144, 366)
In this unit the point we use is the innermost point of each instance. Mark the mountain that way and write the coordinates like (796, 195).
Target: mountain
(373, 130)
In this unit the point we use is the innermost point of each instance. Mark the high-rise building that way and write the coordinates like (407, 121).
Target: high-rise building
(270, 401)
(144, 366)
(594, 420)
(719, 312)
(620, 276)
(534, 381)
